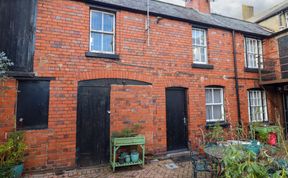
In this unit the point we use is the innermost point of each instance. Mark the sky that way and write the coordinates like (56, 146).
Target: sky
(233, 8)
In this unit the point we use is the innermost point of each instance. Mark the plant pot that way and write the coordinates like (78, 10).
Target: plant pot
(127, 159)
(253, 148)
(17, 171)
(121, 160)
(134, 156)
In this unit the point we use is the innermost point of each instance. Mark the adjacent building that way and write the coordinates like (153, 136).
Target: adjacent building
(274, 72)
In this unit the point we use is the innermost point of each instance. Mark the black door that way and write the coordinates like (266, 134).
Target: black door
(286, 112)
(176, 113)
(93, 125)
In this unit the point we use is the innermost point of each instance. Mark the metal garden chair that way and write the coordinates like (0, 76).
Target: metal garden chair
(201, 163)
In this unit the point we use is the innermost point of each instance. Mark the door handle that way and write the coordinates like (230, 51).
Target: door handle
(109, 112)
(185, 120)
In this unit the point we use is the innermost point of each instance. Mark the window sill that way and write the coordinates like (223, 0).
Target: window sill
(252, 70)
(102, 55)
(223, 124)
(202, 66)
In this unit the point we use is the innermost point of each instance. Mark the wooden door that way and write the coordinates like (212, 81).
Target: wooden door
(93, 125)
(176, 115)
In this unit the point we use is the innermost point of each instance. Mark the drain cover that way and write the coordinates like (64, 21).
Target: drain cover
(171, 166)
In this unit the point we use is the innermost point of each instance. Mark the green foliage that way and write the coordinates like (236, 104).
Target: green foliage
(241, 163)
(12, 152)
(215, 134)
(128, 132)
(5, 63)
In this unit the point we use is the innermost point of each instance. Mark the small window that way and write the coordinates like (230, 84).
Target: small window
(102, 32)
(214, 104)
(32, 105)
(257, 106)
(199, 46)
(254, 54)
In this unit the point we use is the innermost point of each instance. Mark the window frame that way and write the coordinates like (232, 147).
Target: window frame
(264, 106)
(259, 53)
(286, 18)
(215, 104)
(205, 46)
(102, 32)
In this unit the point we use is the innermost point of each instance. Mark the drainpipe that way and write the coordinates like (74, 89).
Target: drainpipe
(236, 78)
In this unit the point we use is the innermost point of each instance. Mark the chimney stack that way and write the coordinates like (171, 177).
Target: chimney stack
(247, 11)
(199, 5)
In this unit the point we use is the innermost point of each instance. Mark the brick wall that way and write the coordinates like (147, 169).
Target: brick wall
(62, 38)
(8, 90)
(132, 105)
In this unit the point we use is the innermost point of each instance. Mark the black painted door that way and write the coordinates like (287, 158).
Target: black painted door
(286, 112)
(283, 53)
(93, 125)
(176, 113)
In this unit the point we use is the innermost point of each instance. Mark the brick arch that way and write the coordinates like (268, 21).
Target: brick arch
(115, 74)
(178, 82)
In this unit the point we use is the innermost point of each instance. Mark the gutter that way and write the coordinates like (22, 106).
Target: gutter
(236, 78)
(279, 33)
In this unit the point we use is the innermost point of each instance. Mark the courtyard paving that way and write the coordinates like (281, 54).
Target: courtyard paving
(155, 169)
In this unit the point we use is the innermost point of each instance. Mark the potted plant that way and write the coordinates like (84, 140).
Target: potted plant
(12, 155)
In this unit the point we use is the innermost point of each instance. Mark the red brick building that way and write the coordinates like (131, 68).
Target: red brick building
(92, 67)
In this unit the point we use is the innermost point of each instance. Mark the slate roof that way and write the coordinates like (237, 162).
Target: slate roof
(186, 14)
(270, 12)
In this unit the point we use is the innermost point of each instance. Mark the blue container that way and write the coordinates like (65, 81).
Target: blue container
(254, 147)
(17, 171)
(134, 157)
(127, 159)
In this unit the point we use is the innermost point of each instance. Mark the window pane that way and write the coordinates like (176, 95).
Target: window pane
(96, 41)
(209, 96)
(208, 113)
(108, 23)
(193, 37)
(217, 96)
(203, 54)
(108, 43)
(202, 37)
(197, 37)
(197, 54)
(96, 21)
(217, 112)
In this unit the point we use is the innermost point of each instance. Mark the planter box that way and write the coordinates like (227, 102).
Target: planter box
(117, 142)
(126, 141)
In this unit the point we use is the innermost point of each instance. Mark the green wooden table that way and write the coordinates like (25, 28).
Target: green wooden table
(117, 143)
